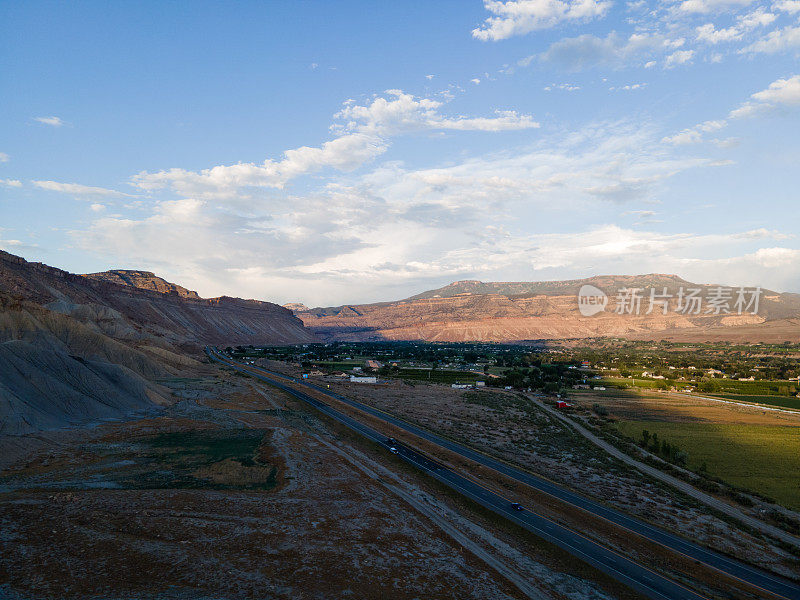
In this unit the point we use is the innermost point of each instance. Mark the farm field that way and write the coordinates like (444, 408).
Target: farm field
(722, 386)
(762, 458)
(759, 392)
(746, 446)
(768, 400)
(437, 376)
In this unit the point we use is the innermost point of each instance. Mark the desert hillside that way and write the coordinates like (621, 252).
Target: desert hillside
(122, 309)
(78, 348)
(517, 311)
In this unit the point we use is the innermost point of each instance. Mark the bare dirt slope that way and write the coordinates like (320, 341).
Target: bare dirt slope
(75, 349)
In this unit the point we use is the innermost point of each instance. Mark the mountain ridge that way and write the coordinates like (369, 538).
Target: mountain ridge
(472, 310)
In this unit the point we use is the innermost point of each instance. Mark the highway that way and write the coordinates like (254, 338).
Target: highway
(621, 568)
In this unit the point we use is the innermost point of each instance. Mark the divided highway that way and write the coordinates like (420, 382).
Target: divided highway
(630, 573)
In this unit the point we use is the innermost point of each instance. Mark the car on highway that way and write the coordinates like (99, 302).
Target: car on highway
(517, 506)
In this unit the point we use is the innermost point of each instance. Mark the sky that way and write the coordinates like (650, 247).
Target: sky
(344, 152)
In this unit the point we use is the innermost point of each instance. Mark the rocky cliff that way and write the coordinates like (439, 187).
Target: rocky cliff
(76, 348)
(519, 311)
(122, 309)
(144, 280)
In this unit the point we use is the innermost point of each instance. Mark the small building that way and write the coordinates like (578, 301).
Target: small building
(460, 386)
(580, 386)
(480, 383)
(363, 379)
(599, 388)
(374, 364)
(561, 404)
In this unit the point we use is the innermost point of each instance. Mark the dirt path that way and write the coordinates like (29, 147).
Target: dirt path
(402, 489)
(679, 484)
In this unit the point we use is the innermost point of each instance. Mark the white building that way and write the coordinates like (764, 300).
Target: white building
(363, 379)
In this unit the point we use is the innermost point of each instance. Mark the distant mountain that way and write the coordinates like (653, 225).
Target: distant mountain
(541, 310)
(144, 280)
(552, 288)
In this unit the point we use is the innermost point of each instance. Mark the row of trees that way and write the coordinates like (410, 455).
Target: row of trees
(662, 448)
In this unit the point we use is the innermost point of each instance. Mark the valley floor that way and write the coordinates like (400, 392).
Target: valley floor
(237, 491)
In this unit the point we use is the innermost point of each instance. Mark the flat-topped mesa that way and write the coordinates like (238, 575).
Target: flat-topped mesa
(548, 288)
(472, 310)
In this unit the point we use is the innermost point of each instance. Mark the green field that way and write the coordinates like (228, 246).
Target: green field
(437, 376)
(786, 402)
(761, 458)
(765, 387)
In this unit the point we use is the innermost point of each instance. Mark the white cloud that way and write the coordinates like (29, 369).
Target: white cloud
(758, 18)
(694, 134)
(707, 33)
(788, 6)
(4, 157)
(680, 57)
(363, 133)
(628, 87)
(518, 17)
(707, 6)
(11, 182)
(780, 93)
(744, 23)
(567, 87)
(613, 50)
(778, 40)
(77, 189)
(52, 121)
(429, 77)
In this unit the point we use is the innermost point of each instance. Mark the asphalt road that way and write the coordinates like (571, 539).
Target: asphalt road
(621, 568)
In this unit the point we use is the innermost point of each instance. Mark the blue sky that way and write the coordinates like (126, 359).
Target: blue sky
(358, 151)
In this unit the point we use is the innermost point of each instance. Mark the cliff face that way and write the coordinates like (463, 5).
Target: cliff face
(126, 310)
(75, 348)
(144, 280)
(517, 311)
